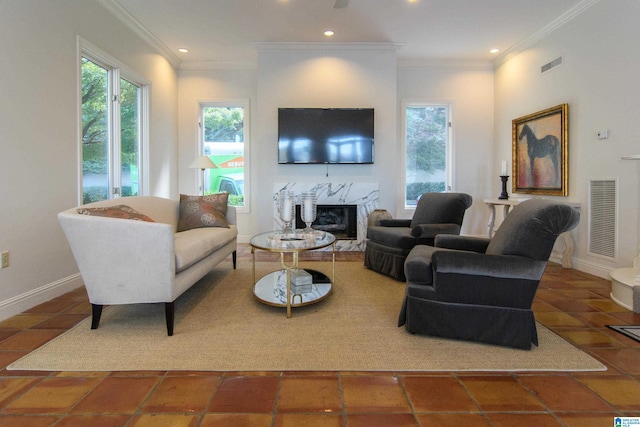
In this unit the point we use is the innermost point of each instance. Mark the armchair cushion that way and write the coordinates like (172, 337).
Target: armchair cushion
(396, 237)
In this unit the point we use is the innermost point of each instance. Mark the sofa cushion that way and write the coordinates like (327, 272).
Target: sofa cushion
(192, 245)
(117, 211)
(203, 211)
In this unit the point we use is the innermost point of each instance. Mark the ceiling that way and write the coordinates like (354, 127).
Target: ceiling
(226, 31)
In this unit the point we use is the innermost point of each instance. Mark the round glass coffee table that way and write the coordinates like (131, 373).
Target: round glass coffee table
(292, 286)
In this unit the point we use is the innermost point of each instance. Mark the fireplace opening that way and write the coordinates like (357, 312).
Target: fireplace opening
(339, 220)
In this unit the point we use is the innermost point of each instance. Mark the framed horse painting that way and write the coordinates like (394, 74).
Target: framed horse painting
(540, 158)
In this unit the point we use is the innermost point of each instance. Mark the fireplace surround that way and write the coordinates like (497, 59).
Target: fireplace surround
(364, 196)
(340, 220)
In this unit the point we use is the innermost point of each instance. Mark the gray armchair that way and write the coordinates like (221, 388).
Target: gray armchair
(389, 242)
(480, 289)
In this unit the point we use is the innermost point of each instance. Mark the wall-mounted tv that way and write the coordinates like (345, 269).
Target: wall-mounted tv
(325, 135)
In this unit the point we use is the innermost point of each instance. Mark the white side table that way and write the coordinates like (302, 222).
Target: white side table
(506, 204)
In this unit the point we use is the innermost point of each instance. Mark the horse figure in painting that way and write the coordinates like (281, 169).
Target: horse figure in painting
(546, 146)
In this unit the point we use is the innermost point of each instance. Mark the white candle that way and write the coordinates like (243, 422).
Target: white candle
(308, 209)
(286, 210)
(504, 168)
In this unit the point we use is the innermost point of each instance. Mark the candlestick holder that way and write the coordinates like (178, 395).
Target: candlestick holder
(287, 208)
(308, 209)
(504, 195)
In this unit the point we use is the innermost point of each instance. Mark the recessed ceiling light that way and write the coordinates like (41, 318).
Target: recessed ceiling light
(183, 49)
(329, 33)
(494, 50)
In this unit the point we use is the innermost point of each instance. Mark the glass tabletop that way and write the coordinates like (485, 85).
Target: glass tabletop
(297, 241)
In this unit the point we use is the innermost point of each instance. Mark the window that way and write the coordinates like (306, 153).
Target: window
(113, 102)
(427, 150)
(225, 140)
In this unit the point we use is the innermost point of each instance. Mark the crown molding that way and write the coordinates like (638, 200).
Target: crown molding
(325, 47)
(543, 32)
(218, 65)
(132, 23)
(443, 63)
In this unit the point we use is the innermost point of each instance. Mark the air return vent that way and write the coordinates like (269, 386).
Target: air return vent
(550, 65)
(602, 218)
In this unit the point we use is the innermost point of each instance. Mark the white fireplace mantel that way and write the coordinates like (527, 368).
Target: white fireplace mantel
(366, 196)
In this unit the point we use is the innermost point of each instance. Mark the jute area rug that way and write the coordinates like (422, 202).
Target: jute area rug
(221, 326)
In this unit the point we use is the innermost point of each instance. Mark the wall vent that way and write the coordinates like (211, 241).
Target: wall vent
(602, 217)
(550, 65)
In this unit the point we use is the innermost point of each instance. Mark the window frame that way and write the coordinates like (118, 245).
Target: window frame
(116, 72)
(408, 210)
(243, 103)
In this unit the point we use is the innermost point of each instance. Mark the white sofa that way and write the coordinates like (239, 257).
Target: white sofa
(123, 261)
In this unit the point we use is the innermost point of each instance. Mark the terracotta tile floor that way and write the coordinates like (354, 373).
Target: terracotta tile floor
(573, 304)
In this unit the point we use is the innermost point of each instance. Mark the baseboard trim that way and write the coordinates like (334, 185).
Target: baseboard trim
(27, 300)
(591, 268)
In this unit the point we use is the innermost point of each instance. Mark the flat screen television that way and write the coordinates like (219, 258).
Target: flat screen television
(325, 135)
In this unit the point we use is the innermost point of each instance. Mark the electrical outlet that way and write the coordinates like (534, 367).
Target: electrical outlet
(5, 259)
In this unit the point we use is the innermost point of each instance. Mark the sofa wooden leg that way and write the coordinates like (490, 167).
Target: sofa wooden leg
(169, 312)
(234, 258)
(96, 312)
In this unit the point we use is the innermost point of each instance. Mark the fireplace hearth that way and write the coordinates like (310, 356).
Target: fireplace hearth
(339, 220)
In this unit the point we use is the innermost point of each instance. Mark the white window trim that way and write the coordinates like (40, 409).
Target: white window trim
(120, 70)
(236, 102)
(404, 210)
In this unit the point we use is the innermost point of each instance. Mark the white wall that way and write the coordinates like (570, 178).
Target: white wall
(598, 81)
(469, 89)
(39, 135)
(345, 76)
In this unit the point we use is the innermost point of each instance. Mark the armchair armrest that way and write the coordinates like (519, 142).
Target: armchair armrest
(464, 243)
(394, 222)
(431, 230)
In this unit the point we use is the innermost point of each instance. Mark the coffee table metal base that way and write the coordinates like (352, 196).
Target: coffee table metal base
(276, 288)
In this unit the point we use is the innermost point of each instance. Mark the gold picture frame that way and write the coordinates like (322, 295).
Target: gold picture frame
(540, 153)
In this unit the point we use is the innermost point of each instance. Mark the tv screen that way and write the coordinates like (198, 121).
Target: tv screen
(325, 135)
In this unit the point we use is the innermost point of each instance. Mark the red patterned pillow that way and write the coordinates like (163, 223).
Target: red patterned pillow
(118, 211)
(203, 211)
